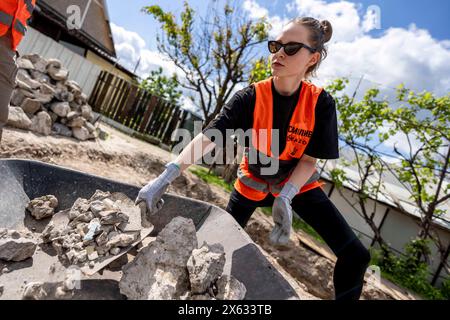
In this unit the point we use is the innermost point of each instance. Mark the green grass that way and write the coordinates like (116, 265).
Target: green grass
(211, 178)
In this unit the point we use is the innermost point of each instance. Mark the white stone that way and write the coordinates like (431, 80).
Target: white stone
(17, 118)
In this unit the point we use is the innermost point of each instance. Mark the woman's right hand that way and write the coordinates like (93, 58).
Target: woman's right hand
(152, 192)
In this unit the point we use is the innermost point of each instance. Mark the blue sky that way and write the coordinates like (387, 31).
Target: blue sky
(432, 15)
(412, 45)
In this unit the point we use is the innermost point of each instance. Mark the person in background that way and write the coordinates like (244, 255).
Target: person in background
(14, 15)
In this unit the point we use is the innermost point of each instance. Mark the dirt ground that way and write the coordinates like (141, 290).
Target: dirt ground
(307, 264)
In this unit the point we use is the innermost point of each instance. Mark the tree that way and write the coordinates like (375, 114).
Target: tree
(162, 86)
(424, 123)
(215, 55)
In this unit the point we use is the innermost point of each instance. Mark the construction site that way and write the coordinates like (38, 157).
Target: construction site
(83, 138)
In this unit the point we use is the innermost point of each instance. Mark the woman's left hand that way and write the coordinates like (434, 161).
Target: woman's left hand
(282, 217)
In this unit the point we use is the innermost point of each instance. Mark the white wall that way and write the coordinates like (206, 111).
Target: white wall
(82, 71)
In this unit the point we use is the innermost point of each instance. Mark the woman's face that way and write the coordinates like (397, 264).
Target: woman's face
(293, 66)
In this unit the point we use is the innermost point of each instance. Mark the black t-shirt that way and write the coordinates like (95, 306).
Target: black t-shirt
(238, 114)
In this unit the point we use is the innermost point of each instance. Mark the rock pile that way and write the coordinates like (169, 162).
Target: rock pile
(171, 267)
(96, 230)
(46, 102)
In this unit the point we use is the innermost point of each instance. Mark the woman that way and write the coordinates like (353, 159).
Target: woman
(304, 115)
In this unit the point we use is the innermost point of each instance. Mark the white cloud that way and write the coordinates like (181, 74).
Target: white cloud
(410, 56)
(130, 48)
(255, 11)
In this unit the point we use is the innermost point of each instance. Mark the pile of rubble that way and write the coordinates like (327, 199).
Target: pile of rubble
(172, 267)
(95, 230)
(46, 102)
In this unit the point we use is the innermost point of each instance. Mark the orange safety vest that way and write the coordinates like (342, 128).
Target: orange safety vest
(14, 14)
(254, 186)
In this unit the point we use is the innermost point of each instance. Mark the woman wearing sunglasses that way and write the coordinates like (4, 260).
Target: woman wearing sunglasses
(293, 123)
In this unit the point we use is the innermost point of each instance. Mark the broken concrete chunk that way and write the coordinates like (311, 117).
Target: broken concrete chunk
(34, 291)
(205, 266)
(113, 217)
(16, 249)
(159, 270)
(229, 288)
(42, 123)
(81, 134)
(121, 240)
(43, 207)
(18, 119)
(23, 63)
(60, 108)
(31, 106)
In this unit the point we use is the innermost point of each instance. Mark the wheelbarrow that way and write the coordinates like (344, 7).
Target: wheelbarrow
(23, 180)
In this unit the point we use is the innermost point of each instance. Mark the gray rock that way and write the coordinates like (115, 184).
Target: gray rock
(112, 217)
(24, 76)
(47, 89)
(89, 126)
(22, 85)
(205, 266)
(61, 130)
(58, 74)
(60, 108)
(34, 291)
(39, 63)
(229, 288)
(86, 112)
(43, 207)
(24, 63)
(18, 119)
(16, 249)
(80, 133)
(42, 123)
(19, 96)
(121, 241)
(77, 122)
(40, 76)
(159, 270)
(30, 105)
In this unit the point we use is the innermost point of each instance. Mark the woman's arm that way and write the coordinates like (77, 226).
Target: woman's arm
(194, 151)
(303, 171)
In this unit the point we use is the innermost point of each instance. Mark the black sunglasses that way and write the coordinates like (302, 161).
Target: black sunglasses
(290, 48)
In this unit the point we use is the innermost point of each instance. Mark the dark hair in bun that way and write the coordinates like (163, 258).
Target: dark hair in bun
(320, 32)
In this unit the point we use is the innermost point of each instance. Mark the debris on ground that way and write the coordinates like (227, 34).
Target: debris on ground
(46, 102)
(171, 267)
(16, 246)
(43, 207)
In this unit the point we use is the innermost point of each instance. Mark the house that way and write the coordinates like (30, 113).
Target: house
(85, 49)
(395, 214)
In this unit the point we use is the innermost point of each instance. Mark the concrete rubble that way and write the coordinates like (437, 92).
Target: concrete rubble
(43, 207)
(94, 231)
(47, 102)
(172, 267)
(15, 245)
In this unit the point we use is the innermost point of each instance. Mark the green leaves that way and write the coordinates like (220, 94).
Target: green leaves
(162, 86)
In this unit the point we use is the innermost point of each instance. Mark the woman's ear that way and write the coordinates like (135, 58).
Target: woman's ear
(314, 59)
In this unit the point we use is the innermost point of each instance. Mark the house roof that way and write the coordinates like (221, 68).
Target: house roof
(392, 194)
(95, 30)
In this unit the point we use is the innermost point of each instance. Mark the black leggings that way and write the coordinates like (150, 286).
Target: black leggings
(316, 209)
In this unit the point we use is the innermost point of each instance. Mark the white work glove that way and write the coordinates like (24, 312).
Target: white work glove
(153, 191)
(282, 215)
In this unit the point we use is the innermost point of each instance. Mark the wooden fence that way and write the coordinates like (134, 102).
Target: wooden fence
(135, 108)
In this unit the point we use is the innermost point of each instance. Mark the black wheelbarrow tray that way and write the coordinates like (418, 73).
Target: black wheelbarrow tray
(23, 180)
